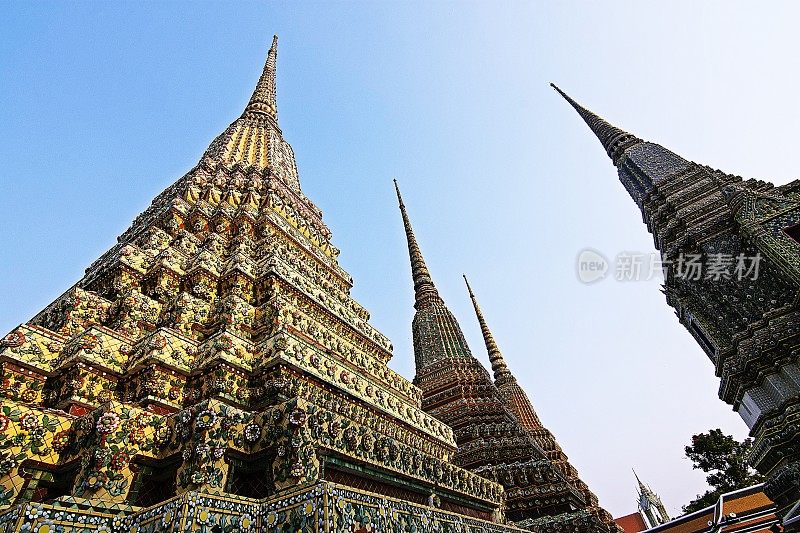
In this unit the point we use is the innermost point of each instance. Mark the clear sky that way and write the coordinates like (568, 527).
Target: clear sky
(103, 105)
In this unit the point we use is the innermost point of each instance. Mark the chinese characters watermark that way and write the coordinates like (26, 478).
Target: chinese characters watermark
(593, 266)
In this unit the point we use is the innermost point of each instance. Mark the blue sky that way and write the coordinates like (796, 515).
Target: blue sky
(103, 105)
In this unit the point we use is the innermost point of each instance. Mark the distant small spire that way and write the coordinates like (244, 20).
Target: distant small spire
(263, 99)
(642, 488)
(424, 289)
(614, 140)
(651, 508)
(499, 366)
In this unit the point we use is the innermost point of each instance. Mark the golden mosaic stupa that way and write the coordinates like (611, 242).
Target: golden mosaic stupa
(211, 372)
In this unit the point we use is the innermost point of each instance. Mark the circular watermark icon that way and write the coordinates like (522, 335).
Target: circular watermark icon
(591, 266)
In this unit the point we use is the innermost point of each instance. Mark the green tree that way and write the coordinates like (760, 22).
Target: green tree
(724, 459)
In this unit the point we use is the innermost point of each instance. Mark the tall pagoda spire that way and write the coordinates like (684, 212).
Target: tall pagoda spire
(742, 323)
(458, 390)
(514, 397)
(263, 99)
(437, 334)
(254, 141)
(499, 366)
(614, 140)
(640, 164)
(424, 289)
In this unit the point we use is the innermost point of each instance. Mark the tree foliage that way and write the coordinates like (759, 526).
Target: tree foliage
(724, 459)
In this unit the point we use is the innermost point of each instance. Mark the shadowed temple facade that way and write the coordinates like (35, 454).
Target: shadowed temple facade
(211, 372)
(730, 248)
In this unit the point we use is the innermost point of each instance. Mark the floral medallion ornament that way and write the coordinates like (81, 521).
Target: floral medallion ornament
(86, 423)
(102, 455)
(143, 420)
(137, 436)
(297, 469)
(95, 479)
(88, 341)
(252, 432)
(38, 434)
(61, 440)
(119, 460)
(29, 421)
(162, 435)
(29, 395)
(7, 463)
(206, 419)
(367, 442)
(107, 423)
(201, 450)
(245, 522)
(297, 417)
(166, 519)
(203, 516)
(309, 508)
(184, 417)
(351, 437)
(104, 396)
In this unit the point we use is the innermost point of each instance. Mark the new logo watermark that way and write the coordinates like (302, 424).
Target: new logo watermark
(592, 266)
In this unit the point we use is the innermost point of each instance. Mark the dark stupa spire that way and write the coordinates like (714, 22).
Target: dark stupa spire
(424, 289)
(614, 140)
(437, 334)
(499, 366)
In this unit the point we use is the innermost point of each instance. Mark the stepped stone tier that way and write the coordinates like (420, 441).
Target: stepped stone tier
(211, 372)
(749, 326)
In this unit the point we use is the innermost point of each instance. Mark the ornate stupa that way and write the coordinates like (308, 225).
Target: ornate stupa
(730, 248)
(496, 428)
(211, 372)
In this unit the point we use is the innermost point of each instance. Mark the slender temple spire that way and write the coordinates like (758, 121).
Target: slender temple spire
(651, 508)
(263, 99)
(642, 487)
(424, 289)
(614, 140)
(499, 367)
(254, 140)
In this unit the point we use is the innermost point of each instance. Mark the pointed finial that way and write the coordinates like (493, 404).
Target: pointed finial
(263, 99)
(614, 140)
(424, 289)
(499, 367)
(469, 289)
(642, 487)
